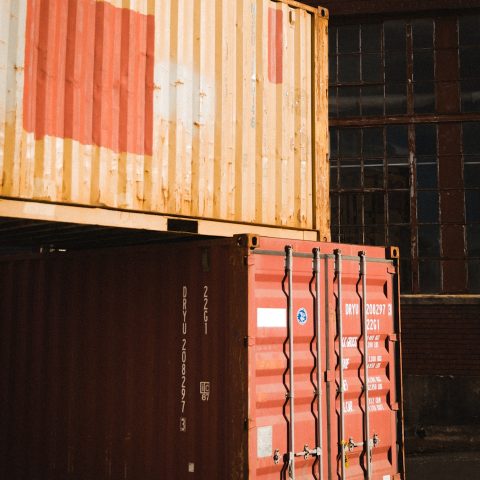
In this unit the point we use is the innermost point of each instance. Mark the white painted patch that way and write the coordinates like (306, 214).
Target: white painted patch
(271, 317)
(191, 467)
(264, 441)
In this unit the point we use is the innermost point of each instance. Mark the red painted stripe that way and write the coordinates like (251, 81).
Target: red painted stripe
(275, 44)
(89, 74)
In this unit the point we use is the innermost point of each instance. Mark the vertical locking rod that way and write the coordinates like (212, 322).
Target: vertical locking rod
(338, 273)
(291, 392)
(316, 273)
(366, 421)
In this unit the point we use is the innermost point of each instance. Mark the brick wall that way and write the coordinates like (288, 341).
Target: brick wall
(441, 338)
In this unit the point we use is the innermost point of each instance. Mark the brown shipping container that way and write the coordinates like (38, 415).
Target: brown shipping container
(208, 108)
(202, 360)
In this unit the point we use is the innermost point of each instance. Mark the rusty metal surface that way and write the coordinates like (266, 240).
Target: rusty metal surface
(143, 362)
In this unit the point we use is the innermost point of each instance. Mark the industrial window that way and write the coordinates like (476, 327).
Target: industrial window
(405, 145)
(471, 162)
(469, 44)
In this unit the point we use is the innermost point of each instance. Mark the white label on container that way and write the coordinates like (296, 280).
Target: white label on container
(191, 467)
(386, 477)
(264, 441)
(272, 317)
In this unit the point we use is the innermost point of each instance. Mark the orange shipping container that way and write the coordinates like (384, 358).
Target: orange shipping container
(247, 358)
(213, 109)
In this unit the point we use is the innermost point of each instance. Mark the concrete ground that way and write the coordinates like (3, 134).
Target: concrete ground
(444, 466)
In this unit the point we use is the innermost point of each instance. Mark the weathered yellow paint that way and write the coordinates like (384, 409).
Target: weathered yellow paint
(228, 144)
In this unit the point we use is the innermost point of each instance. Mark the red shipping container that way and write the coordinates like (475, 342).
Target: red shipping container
(202, 359)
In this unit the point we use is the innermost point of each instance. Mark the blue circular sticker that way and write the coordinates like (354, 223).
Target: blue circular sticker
(302, 316)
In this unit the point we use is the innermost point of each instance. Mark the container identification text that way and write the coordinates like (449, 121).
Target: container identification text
(183, 376)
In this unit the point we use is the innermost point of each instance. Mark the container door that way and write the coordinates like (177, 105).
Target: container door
(364, 346)
(312, 311)
(285, 425)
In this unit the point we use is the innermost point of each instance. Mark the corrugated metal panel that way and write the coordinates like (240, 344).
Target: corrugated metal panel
(199, 109)
(157, 361)
(269, 370)
(92, 379)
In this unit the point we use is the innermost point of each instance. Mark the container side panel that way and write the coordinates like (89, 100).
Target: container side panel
(202, 111)
(128, 365)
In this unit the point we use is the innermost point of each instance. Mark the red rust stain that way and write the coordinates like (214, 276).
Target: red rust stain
(275, 42)
(89, 74)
